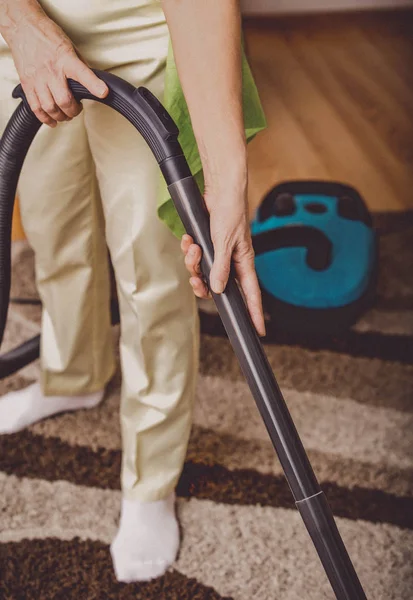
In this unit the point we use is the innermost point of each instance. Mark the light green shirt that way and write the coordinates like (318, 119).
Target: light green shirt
(175, 103)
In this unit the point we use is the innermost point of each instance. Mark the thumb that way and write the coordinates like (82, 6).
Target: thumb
(84, 75)
(221, 268)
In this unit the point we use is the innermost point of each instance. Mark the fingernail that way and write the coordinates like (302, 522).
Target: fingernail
(102, 89)
(218, 286)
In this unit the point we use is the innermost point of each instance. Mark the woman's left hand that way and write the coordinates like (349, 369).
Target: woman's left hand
(231, 237)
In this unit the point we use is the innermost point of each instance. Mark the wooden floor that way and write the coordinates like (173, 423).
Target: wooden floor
(338, 95)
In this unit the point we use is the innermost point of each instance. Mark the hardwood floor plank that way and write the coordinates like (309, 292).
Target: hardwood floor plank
(379, 128)
(338, 96)
(283, 151)
(363, 50)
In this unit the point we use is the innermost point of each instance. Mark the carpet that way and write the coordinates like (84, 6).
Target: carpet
(351, 397)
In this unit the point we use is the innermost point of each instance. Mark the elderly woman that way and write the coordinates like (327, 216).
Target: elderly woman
(94, 182)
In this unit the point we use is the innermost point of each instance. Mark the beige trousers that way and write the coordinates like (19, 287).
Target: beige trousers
(91, 180)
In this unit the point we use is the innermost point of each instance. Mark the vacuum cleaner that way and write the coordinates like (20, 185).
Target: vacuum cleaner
(316, 256)
(150, 118)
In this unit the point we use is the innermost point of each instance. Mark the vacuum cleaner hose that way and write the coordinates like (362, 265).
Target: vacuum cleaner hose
(15, 143)
(140, 107)
(149, 117)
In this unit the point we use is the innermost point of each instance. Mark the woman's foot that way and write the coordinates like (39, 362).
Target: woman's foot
(27, 406)
(147, 541)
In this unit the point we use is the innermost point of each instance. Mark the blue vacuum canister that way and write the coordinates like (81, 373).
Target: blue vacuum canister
(316, 256)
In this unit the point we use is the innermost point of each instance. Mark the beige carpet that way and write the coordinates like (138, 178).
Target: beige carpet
(352, 400)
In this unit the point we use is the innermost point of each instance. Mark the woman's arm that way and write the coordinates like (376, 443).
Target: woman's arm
(44, 58)
(206, 39)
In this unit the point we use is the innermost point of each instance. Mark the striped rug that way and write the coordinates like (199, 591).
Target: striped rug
(352, 400)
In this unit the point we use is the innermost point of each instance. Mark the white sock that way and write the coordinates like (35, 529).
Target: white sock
(147, 540)
(27, 406)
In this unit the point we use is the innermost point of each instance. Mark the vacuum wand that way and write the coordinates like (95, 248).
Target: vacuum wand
(309, 498)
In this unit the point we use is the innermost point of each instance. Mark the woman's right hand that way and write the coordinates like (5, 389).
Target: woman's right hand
(45, 58)
(226, 201)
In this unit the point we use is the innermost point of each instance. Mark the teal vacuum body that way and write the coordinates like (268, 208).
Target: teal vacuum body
(315, 255)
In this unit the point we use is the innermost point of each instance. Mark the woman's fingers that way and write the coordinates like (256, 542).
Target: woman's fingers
(248, 281)
(36, 107)
(199, 287)
(64, 98)
(221, 267)
(186, 241)
(48, 104)
(245, 270)
(193, 255)
(53, 102)
(193, 260)
(80, 72)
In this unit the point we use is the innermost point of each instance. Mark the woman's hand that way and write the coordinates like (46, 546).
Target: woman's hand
(45, 58)
(231, 237)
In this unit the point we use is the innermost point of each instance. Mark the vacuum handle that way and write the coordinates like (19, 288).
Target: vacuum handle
(138, 105)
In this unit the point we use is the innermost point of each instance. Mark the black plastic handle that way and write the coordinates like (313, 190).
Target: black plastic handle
(141, 108)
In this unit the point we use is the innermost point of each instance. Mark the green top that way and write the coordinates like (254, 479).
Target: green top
(175, 103)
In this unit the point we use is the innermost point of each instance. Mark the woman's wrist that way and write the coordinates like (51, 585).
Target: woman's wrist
(225, 164)
(16, 15)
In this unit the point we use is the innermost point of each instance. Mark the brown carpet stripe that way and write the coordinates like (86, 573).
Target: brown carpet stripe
(397, 348)
(368, 381)
(395, 260)
(209, 447)
(248, 487)
(27, 455)
(56, 569)
(392, 222)
(395, 302)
